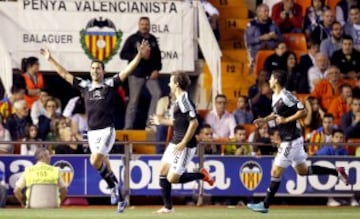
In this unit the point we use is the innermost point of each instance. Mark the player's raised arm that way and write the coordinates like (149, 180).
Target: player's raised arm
(143, 51)
(58, 68)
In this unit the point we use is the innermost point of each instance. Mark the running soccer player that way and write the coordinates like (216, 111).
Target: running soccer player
(99, 95)
(287, 109)
(182, 146)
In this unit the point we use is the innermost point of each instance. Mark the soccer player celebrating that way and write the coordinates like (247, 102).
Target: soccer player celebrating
(182, 146)
(99, 100)
(287, 109)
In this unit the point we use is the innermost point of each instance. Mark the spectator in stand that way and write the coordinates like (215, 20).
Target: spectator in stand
(347, 59)
(314, 16)
(46, 121)
(38, 107)
(242, 114)
(356, 89)
(277, 60)
(352, 28)
(241, 148)
(350, 121)
(146, 73)
(221, 121)
(335, 149)
(342, 10)
(296, 81)
(64, 134)
(288, 16)
(262, 139)
(323, 30)
(318, 72)
(308, 60)
(34, 80)
(5, 136)
(261, 33)
(329, 87)
(6, 104)
(206, 135)
(333, 43)
(17, 122)
(322, 134)
(79, 125)
(341, 104)
(314, 116)
(31, 135)
(261, 101)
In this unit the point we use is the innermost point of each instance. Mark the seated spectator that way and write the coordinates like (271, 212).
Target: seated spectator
(31, 135)
(322, 134)
(335, 149)
(288, 16)
(347, 59)
(275, 141)
(277, 60)
(356, 88)
(308, 60)
(261, 106)
(261, 33)
(221, 121)
(296, 81)
(314, 15)
(341, 104)
(33, 79)
(342, 10)
(46, 120)
(328, 88)
(242, 114)
(350, 121)
(17, 122)
(5, 136)
(322, 31)
(41, 173)
(260, 135)
(64, 134)
(333, 43)
(241, 148)
(69, 108)
(352, 28)
(6, 104)
(206, 135)
(79, 125)
(317, 72)
(314, 116)
(38, 107)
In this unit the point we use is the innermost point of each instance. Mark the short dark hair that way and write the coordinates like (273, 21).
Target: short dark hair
(312, 43)
(334, 23)
(337, 130)
(16, 89)
(280, 76)
(239, 127)
(347, 37)
(354, 7)
(144, 18)
(344, 86)
(100, 62)
(220, 96)
(328, 115)
(28, 62)
(182, 79)
(205, 126)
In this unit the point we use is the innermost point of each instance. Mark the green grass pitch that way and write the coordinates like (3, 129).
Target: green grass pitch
(209, 212)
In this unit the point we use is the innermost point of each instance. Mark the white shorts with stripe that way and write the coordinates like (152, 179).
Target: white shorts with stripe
(101, 140)
(291, 152)
(179, 162)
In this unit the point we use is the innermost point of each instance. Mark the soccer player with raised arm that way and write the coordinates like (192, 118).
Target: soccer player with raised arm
(99, 94)
(182, 146)
(287, 110)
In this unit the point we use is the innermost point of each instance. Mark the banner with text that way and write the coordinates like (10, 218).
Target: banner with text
(77, 31)
(235, 176)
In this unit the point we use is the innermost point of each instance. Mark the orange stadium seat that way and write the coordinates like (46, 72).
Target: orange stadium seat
(260, 59)
(332, 4)
(295, 41)
(249, 128)
(304, 4)
(302, 97)
(136, 135)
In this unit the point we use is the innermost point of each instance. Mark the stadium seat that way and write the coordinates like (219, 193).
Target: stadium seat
(260, 59)
(249, 128)
(332, 4)
(304, 4)
(137, 135)
(302, 97)
(234, 12)
(233, 23)
(43, 196)
(353, 148)
(295, 41)
(228, 3)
